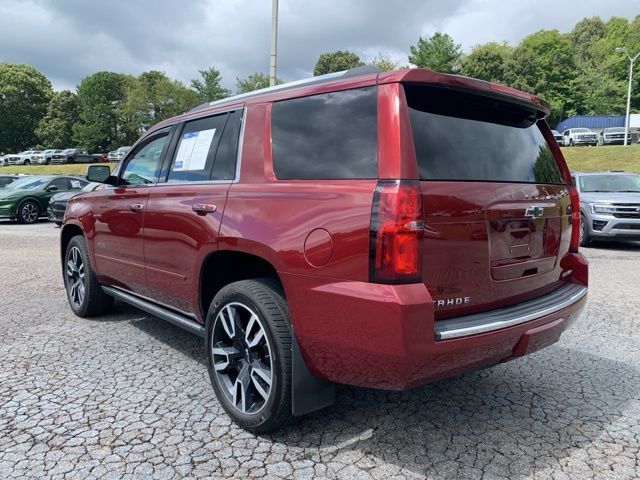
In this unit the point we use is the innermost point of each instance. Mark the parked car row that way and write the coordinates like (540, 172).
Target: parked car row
(52, 156)
(27, 198)
(585, 136)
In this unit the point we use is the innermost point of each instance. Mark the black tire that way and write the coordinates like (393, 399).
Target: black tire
(585, 240)
(27, 162)
(71, 160)
(47, 161)
(264, 299)
(59, 224)
(94, 301)
(28, 212)
(571, 143)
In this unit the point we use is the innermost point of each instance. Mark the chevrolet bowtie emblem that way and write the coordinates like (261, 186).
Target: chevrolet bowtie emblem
(534, 211)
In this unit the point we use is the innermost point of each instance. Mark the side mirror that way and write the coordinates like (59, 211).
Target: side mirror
(100, 174)
(52, 188)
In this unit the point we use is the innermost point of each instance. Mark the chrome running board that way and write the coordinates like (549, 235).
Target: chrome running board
(523, 312)
(177, 319)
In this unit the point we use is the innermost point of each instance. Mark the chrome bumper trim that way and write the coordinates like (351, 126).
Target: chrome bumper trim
(509, 316)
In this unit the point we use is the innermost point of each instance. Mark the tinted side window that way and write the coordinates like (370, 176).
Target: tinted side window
(144, 165)
(224, 167)
(60, 184)
(5, 181)
(328, 136)
(462, 136)
(196, 150)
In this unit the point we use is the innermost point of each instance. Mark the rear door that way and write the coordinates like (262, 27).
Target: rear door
(496, 208)
(184, 212)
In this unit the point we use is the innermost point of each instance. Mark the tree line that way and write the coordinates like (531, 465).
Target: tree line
(579, 72)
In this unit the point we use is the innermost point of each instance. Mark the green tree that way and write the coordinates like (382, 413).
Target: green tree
(618, 32)
(596, 88)
(438, 52)
(487, 62)
(24, 97)
(384, 63)
(101, 126)
(255, 81)
(584, 35)
(336, 62)
(208, 87)
(55, 130)
(153, 97)
(543, 64)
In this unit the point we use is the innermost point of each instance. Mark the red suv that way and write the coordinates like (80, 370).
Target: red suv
(373, 229)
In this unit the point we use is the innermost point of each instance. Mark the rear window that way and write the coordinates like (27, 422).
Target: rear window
(462, 136)
(328, 136)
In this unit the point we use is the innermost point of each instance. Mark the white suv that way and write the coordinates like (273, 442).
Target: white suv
(579, 136)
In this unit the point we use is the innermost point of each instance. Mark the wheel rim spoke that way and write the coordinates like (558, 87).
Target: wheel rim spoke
(241, 390)
(253, 326)
(261, 380)
(227, 354)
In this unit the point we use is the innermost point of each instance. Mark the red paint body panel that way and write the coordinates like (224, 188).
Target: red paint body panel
(316, 234)
(177, 240)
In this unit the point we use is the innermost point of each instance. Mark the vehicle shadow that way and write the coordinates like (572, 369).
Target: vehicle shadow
(512, 419)
(167, 333)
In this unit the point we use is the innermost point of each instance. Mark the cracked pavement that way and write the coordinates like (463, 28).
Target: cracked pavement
(127, 396)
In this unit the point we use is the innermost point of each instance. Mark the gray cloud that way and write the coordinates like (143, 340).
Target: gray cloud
(69, 39)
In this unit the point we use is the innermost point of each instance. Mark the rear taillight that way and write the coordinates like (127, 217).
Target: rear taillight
(575, 220)
(396, 232)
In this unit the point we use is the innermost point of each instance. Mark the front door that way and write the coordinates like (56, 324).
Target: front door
(183, 216)
(119, 217)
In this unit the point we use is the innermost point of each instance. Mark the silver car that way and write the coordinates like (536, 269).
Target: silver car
(613, 136)
(609, 206)
(44, 157)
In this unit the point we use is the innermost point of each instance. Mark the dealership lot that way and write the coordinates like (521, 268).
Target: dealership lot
(128, 396)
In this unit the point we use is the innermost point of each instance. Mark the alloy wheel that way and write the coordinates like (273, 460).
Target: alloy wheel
(75, 276)
(582, 232)
(242, 359)
(29, 212)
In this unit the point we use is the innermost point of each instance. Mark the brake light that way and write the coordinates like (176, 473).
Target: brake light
(575, 220)
(396, 232)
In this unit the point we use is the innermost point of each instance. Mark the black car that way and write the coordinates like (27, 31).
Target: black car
(7, 179)
(58, 203)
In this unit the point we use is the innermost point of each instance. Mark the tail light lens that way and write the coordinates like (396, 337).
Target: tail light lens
(575, 220)
(395, 244)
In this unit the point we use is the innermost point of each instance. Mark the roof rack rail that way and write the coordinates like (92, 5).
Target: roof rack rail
(353, 72)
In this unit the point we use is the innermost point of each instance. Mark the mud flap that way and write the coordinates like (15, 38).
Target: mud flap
(308, 392)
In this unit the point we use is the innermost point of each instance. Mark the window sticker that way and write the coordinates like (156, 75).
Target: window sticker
(75, 184)
(193, 151)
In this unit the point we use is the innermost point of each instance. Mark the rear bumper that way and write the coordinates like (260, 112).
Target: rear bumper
(385, 336)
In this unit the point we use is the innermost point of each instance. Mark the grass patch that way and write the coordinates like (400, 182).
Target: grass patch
(593, 159)
(72, 169)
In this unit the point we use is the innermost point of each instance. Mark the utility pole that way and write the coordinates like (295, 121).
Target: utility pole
(274, 43)
(626, 118)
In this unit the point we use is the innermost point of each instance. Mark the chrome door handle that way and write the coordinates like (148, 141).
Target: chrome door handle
(203, 208)
(136, 207)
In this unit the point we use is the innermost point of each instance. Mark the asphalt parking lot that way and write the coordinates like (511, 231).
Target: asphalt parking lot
(127, 396)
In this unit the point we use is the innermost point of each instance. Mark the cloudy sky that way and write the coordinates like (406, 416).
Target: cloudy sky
(68, 39)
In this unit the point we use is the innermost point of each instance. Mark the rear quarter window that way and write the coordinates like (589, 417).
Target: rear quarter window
(462, 136)
(327, 136)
